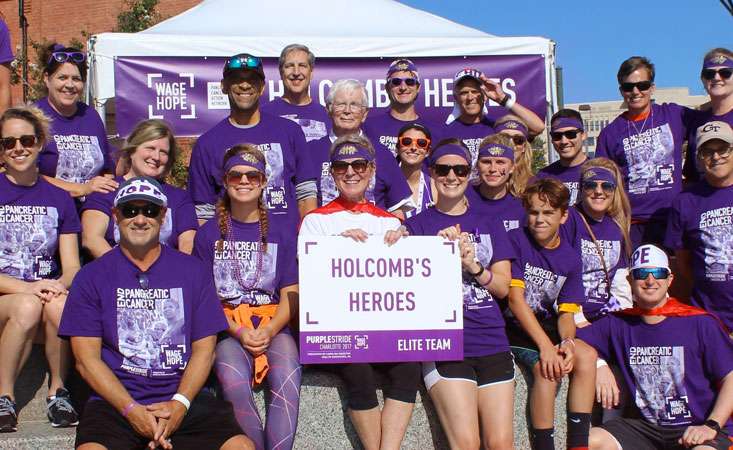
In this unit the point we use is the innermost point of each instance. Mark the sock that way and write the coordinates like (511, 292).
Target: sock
(543, 439)
(578, 429)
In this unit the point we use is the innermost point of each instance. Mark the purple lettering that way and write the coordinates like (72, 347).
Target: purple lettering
(426, 271)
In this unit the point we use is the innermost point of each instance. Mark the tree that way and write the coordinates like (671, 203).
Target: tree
(138, 15)
(539, 154)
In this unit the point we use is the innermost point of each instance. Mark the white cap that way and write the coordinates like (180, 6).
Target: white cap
(141, 188)
(649, 256)
(714, 130)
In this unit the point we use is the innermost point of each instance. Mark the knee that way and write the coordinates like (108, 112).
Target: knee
(500, 440)
(600, 439)
(52, 310)
(585, 357)
(27, 311)
(467, 440)
(239, 442)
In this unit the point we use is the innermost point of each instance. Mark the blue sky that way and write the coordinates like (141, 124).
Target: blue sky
(593, 37)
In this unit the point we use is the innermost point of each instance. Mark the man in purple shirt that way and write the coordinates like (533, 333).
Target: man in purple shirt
(567, 134)
(676, 361)
(296, 65)
(6, 57)
(143, 324)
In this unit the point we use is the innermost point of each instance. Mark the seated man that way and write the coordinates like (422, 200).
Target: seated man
(146, 389)
(676, 361)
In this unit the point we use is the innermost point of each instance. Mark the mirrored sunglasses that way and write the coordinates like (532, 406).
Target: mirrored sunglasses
(659, 273)
(62, 57)
(607, 186)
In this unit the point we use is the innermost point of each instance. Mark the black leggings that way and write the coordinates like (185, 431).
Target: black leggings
(361, 383)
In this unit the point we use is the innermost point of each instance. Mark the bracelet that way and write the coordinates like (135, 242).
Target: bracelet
(239, 331)
(600, 363)
(491, 277)
(571, 340)
(126, 410)
(504, 100)
(478, 274)
(180, 398)
(509, 104)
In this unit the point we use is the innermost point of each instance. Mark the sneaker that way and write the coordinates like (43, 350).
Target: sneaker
(59, 410)
(8, 416)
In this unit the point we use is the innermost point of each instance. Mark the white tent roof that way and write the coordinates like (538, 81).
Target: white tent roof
(330, 28)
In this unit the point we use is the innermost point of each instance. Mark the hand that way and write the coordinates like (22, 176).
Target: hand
(356, 234)
(100, 184)
(697, 435)
(45, 290)
(551, 363)
(170, 415)
(567, 350)
(392, 236)
(468, 254)
(451, 233)
(607, 391)
(492, 89)
(142, 421)
(253, 342)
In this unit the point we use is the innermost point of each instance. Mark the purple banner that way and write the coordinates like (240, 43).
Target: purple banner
(185, 91)
(340, 347)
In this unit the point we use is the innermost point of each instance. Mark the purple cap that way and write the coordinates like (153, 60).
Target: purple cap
(718, 61)
(403, 64)
(449, 149)
(512, 125)
(349, 150)
(566, 122)
(245, 159)
(467, 73)
(598, 174)
(496, 151)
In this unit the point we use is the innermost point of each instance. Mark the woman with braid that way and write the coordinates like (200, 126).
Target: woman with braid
(252, 256)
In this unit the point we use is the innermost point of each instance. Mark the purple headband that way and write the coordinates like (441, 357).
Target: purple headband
(403, 64)
(566, 122)
(244, 159)
(449, 149)
(512, 125)
(599, 174)
(348, 150)
(718, 61)
(496, 151)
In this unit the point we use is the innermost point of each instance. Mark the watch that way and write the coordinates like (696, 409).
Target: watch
(712, 424)
(480, 271)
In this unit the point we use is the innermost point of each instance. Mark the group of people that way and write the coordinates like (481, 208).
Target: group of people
(565, 272)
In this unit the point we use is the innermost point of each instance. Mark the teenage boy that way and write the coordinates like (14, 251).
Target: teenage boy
(546, 291)
(676, 361)
(567, 134)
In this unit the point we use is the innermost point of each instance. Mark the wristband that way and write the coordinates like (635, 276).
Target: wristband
(239, 331)
(126, 410)
(509, 102)
(491, 277)
(478, 274)
(504, 100)
(180, 398)
(600, 363)
(712, 424)
(571, 340)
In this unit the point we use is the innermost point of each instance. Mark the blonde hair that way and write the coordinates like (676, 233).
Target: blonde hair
(620, 209)
(34, 116)
(522, 163)
(515, 186)
(146, 131)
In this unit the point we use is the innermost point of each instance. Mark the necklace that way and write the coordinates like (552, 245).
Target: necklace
(237, 266)
(643, 124)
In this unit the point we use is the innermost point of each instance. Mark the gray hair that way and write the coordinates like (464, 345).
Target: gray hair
(347, 85)
(294, 48)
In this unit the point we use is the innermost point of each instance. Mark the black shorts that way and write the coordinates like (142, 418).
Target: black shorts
(208, 424)
(482, 370)
(403, 381)
(642, 435)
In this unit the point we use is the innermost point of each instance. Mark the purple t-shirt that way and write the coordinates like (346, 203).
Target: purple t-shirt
(382, 129)
(570, 177)
(470, 134)
(281, 141)
(77, 148)
(180, 217)
(671, 368)
(649, 154)
(508, 209)
(387, 189)
(6, 46)
(31, 220)
(701, 221)
(483, 324)
(611, 240)
(146, 333)
(242, 271)
(691, 171)
(551, 277)
(312, 118)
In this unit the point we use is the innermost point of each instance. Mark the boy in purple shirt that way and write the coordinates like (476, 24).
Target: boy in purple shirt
(143, 323)
(567, 134)
(676, 361)
(296, 65)
(546, 292)
(700, 226)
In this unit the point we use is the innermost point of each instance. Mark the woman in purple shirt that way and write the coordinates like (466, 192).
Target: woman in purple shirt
(413, 147)
(515, 128)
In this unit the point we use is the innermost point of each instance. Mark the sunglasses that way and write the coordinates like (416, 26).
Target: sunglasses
(27, 140)
(149, 210)
(519, 140)
(62, 57)
(398, 81)
(659, 273)
(243, 62)
(709, 74)
(341, 167)
(607, 186)
(419, 142)
(461, 170)
(570, 134)
(640, 85)
(234, 177)
(143, 280)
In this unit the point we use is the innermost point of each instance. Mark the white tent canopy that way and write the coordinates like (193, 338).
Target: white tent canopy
(330, 28)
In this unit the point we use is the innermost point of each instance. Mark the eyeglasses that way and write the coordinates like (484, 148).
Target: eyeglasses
(243, 62)
(709, 74)
(149, 210)
(461, 170)
(27, 140)
(63, 57)
(607, 186)
(422, 143)
(640, 85)
(707, 153)
(519, 140)
(398, 81)
(143, 280)
(570, 134)
(341, 167)
(352, 107)
(659, 273)
(234, 177)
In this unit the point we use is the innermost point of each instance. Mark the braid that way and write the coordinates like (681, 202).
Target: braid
(222, 212)
(264, 223)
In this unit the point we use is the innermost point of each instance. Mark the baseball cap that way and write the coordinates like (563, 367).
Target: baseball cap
(714, 130)
(403, 64)
(467, 73)
(649, 256)
(243, 61)
(141, 188)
